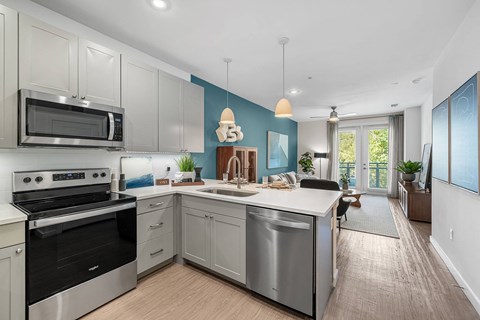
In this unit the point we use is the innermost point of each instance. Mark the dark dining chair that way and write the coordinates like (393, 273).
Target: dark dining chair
(329, 185)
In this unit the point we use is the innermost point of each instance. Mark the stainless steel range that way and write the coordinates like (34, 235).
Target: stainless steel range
(81, 241)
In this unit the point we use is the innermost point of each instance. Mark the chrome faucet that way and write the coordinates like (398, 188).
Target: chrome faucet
(239, 165)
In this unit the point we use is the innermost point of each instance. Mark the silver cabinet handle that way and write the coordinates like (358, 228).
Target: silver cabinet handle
(19, 250)
(156, 225)
(206, 215)
(74, 96)
(211, 217)
(83, 98)
(154, 205)
(156, 252)
(280, 222)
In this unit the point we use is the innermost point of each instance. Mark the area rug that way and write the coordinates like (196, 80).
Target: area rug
(373, 217)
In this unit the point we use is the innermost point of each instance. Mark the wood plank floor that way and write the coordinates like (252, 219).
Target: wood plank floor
(379, 278)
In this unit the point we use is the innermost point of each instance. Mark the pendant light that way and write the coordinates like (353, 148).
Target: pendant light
(333, 115)
(227, 116)
(283, 108)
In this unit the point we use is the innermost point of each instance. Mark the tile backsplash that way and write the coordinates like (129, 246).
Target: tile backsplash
(26, 159)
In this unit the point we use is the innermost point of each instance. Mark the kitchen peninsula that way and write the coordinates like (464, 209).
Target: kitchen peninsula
(210, 232)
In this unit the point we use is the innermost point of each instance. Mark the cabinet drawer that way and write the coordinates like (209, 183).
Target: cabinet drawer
(153, 224)
(153, 204)
(12, 234)
(154, 252)
(230, 209)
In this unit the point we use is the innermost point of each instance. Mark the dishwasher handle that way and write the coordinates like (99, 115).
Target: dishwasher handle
(280, 222)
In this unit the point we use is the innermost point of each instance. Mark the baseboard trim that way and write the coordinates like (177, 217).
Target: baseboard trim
(474, 299)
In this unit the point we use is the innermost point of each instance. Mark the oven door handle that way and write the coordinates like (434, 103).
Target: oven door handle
(111, 121)
(78, 216)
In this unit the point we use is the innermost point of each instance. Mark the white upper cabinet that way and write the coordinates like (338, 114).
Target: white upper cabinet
(140, 101)
(170, 113)
(47, 58)
(99, 73)
(180, 115)
(8, 77)
(193, 123)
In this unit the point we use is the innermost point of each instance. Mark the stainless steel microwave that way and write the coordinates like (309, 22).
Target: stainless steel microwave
(56, 121)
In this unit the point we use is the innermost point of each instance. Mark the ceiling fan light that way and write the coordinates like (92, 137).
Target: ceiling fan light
(333, 115)
(283, 109)
(227, 116)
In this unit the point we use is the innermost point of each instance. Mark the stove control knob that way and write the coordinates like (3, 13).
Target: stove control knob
(38, 179)
(27, 180)
(95, 175)
(103, 174)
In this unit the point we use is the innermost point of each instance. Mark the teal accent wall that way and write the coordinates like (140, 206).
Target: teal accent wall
(255, 121)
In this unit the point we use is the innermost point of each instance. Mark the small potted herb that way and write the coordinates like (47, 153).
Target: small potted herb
(408, 170)
(186, 165)
(345, 179)
(306, 162)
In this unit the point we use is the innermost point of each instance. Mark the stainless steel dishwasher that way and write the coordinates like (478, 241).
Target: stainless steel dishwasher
(280, 257)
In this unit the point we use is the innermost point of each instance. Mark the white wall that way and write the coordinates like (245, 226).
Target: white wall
(412, 132)
(312, 136)
(426, 116)
(452, 207)
(38, 159)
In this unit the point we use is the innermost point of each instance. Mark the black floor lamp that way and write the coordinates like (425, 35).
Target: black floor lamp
(320, 155)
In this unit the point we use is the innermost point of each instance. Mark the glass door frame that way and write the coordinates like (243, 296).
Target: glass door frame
(365, 159)
(358, 151)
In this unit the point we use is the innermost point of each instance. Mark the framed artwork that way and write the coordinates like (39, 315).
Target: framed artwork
(277, 150)
(425, 174)
(441, 145)
(464, 136)
(138, 171)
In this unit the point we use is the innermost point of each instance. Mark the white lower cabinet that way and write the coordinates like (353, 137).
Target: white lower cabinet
(214, 240)
(154, 232)
(12, 271)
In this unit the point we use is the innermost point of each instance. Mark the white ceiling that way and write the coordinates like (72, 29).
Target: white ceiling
(354, 50)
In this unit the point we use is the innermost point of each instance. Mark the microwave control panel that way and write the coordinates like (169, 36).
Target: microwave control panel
(118, 129)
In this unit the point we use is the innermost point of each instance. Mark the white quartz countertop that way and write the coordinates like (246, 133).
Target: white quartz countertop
(10, 214)
(313, 202)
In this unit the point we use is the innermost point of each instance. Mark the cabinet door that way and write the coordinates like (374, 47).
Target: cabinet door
(196, 236)
(12, 282)
(8, 78)
(170, 113)
(193, 109)
(140, 101)
(48, 58)
(228, 241)
(98, 73)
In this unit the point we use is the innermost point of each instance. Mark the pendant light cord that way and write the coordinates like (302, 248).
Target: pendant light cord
(227, 83)
(283, 92)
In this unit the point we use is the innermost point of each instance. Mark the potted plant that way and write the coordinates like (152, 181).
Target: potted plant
(408, 170)
(186, 165)
(345, 179)
(306, 162)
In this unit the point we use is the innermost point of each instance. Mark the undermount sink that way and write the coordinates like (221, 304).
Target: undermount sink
(229, 192)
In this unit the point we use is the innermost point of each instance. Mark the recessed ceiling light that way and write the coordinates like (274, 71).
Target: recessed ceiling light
(160, 4)
(417, 80)
(394, 105)
(294, 92)
(394, 83)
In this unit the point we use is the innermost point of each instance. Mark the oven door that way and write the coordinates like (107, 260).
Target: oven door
(51, 120)
(65, 251)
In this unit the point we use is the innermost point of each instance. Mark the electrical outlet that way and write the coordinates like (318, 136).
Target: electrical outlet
(168, 169)
(451, 234)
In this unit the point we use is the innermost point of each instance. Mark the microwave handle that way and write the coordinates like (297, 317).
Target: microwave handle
(111, 126)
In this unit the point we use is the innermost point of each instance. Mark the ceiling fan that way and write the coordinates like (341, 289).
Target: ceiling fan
(339, 115)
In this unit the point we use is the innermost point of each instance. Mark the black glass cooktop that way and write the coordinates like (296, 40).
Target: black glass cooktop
(60, 205)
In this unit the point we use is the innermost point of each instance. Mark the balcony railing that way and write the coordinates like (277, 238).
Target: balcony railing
(377, 175)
